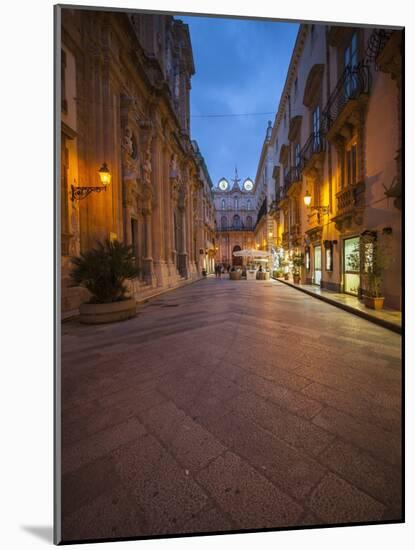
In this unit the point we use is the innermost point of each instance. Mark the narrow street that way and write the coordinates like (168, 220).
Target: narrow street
(226, 405)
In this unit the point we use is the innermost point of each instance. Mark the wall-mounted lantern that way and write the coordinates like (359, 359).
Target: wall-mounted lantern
(79, 193)
(307, 202)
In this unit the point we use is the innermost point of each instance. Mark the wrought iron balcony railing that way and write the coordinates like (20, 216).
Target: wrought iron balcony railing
(354, 82)
(376, 43)
(316, 143)
(234, 228)
(291, 176)
(349, 198)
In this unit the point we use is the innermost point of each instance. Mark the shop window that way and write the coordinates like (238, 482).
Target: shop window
(307, 259)
(351, 263)
(328, 245)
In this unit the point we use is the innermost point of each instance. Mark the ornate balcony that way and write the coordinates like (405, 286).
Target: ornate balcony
(312, 154)
(285, 239)
(350, 206)
(291, 178)
(295, 234)
(315, 228)
(345, 102)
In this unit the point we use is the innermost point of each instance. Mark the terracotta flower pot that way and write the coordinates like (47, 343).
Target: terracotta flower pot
(286, 275)
(296, 279)
(374, 303)
(235, 275)
(107, 313)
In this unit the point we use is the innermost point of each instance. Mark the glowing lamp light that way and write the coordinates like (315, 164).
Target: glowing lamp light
(81, 192)
(307, 199)
(104, 174)
(270, 234)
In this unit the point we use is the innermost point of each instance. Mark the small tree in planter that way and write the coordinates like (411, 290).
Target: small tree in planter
(298, 262)
(104, 271)
(285, 264)
(376, 259)
(372, 258)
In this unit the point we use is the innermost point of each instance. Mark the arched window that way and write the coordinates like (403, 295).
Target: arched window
(223, 204)
(236, 224)
(236, 203)
(248, 204)
(224, 222)
(248, 222)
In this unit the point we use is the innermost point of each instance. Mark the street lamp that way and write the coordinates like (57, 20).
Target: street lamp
(79, 193)
(307, 202)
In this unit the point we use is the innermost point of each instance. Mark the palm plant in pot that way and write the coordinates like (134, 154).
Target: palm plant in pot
(103, 271)
(298, 262)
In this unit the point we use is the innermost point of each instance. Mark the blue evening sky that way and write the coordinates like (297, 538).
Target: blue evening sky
(241, 66)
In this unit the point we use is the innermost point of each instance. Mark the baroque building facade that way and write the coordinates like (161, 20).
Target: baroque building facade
(336, 145)
(235, 211)
(125, 85)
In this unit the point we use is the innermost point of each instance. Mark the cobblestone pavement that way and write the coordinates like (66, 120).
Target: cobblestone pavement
(229, 405)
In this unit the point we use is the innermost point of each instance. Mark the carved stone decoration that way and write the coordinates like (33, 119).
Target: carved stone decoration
(132, 194)
(130, 164)
(74, 244)
(174, 173)
(147, 166)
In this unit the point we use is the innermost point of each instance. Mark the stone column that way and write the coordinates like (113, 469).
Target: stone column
(148, 257)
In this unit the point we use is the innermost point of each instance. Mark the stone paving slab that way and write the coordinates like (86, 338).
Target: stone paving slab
(339, 502)
(243, 406)
(247, 496)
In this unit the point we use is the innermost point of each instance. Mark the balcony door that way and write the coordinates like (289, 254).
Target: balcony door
(317, 265)
(350, 63)
(316, 129)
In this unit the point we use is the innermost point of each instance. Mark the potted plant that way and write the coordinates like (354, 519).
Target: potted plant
(298, 262)
(234, 274)
(103, 271)
(285, 264)
(376, 259)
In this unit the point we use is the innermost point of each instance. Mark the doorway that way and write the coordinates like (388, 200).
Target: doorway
(317, 265)
(236, 260)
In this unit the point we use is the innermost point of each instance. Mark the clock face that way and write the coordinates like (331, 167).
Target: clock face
(223, 184)
(248, 185)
